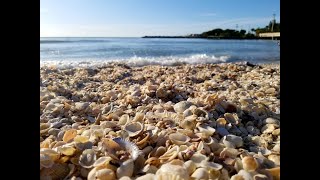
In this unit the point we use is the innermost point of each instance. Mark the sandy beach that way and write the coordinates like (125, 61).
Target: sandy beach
(204, 121)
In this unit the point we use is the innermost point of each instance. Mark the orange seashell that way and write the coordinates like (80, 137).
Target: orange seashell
(69, 135)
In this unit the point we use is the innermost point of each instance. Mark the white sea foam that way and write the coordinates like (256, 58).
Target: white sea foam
(139, 61)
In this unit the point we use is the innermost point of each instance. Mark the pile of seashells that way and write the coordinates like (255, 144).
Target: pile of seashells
(206, 121)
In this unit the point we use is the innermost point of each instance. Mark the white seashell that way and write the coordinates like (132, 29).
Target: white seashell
(242, 174)
(206, 130)
(148, 176)
(125, 169)
(190, 166)
(170, 154)
(124, 119)
(129, 146)
(236, 140)
(168, 171)
(200, 173)
(271, 121)
(134, 128)
(181, 106)
(178, 138)
(87, 158)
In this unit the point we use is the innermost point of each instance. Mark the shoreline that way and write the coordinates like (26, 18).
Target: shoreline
(192, 120)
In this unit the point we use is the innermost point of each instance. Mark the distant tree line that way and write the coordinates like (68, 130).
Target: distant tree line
(242, 34)
(268, 28)
(227, 34)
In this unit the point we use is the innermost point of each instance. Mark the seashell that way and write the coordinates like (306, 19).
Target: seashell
(200, 112)
(275, 172)
(229, 152)
(57, 171)
(268, 128)
(170, 171)
(206, 130)
(149, 169)
(87, 158)
(200, 173)
(236, 140)
(101, 173)
(260, 177)
(124, 119)
(276, 148)
(178, 138)
(69, 135)
(187, 113)
(139, 117)
(125, 169)
(188, 123)
(148, 176)
(190, 166)
(81, 139)
(249, 163)
(147, 150)
(275, 159)
(46, 161)
(134, 128)
(238, 164)
(51, 153)
(242, 175)
(186, 132)
(181, 106)
(157, 152)
(198, 158)
(271, 121)
(214, 175)
(276, 132)
(231, 118)
(129, 147)
(169, 155)
(211, 165)
(107, 124)
(66, 150)
(83, 146)
(153, 161)
(221, 122)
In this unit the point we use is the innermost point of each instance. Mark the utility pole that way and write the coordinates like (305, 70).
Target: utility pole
(273, 21)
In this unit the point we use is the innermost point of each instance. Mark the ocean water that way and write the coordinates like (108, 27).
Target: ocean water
(68, 52)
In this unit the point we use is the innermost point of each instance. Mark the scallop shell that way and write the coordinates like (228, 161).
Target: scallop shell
(200, 173)
(87, 158)
(148, 176)
(46, 161)
(134, 128)
(66, 150)
(170, 171)
(198, 158)
(57, 171)
(128, 146)
(178, 138)
(54, 155)
(169, 155)
(69, 135)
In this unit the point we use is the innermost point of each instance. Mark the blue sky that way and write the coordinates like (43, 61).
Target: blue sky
(135, 18)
